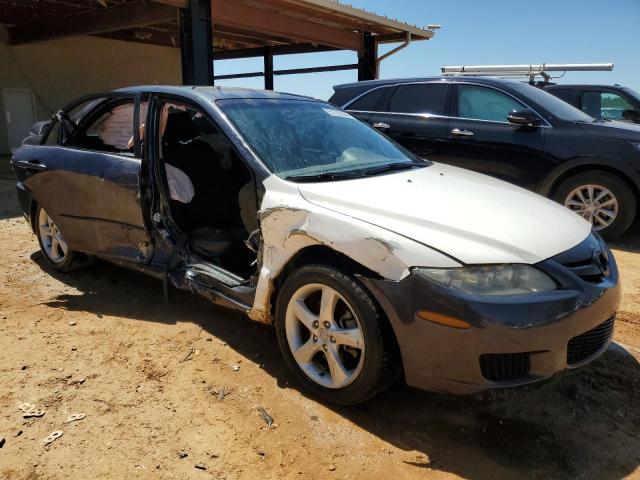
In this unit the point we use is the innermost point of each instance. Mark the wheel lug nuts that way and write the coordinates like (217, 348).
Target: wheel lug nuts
(333, 339)
(316, 324)
(315, 338)
(324, 347)
(327, 325)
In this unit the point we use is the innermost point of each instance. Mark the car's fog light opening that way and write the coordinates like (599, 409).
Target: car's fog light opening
(505, 366)
(442, 319)
(588, 344)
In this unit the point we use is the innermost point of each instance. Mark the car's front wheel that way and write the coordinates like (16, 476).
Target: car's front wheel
(333, 336)
(602, 198)
(53, 246)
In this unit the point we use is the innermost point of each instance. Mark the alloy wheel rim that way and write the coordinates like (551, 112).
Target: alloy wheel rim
(325, 336)
(595, 203)
(52, 240)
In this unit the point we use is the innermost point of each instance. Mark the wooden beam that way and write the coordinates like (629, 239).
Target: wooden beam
(277, 50)
(94, 23)
(270, 23)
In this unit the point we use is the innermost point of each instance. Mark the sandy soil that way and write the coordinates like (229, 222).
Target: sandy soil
(149, 378)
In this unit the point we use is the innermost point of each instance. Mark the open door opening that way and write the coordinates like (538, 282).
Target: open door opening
(210, 195)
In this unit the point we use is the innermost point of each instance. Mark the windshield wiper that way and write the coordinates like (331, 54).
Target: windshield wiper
(321, 177)
(393, 167)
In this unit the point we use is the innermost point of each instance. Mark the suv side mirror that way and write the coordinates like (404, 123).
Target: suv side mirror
(523, 117)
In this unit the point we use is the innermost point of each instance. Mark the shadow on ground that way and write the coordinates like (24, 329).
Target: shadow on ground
(583, 424)
(9, 207)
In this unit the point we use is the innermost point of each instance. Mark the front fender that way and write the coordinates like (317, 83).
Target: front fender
(289, 224)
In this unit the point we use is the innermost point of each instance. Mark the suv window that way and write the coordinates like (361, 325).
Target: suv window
(419, 98)
(562, 93)
(607, 105)
(481, 103)
(374, 101)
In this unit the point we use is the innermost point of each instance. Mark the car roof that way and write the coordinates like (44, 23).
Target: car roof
(215, 93)
(583, 85)
(449, 79)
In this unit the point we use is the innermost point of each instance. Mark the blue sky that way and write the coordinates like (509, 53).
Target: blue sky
(483, 32)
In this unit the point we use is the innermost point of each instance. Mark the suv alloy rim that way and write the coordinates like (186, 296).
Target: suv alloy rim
(325, 336)
(594, 203)
(52, 241)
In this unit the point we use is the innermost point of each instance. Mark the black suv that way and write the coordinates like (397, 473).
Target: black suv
(611, 102)
(515, 132)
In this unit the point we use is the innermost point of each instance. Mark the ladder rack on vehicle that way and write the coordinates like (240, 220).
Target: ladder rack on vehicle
(531, 71)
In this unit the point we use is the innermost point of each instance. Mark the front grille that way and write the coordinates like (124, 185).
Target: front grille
(583, 346)
(588, 260)
(504, 366)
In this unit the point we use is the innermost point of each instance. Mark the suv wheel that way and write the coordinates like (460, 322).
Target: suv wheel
(333, 337)
(603, 199)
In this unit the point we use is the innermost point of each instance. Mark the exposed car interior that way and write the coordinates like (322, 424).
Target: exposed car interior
(212, 193)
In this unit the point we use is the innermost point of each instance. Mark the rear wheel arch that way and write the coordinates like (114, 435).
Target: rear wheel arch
(556, 178)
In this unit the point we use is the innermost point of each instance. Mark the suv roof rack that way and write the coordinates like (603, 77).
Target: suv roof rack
(530, 71)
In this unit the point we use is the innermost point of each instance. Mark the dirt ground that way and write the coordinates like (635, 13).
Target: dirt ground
(163, 400)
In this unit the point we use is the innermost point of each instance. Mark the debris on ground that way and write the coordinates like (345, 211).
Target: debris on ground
(235, 368)
(18, 433)
(201, 466)
(2, 441)
(74, 417)
(25, 407)
(268, 419)
(332, 468)
(72, 323)
(188, 355)
(76, 381)
(36, 413)
(183, 455)
(53, 437)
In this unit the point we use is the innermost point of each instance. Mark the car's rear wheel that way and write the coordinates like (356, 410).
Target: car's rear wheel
(602, 198)
(52, 244)
(333, 336)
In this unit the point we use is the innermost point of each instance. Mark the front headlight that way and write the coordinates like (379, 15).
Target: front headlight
(492, 280)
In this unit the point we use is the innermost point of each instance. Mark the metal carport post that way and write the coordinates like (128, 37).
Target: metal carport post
(196, 43)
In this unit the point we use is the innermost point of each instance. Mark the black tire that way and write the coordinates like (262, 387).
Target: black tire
(68, 263)
(381, 363)
(627, 202)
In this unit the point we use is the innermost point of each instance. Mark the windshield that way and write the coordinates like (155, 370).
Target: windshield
(302, 138)
(556, 107)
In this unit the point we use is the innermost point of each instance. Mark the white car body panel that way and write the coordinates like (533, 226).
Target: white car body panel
(439, 216)
(290, 223)
(472, 217)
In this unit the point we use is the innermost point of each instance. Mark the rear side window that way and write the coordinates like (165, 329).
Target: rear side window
(376, 100)
(481, 103)
(419, 98)
(562, 94)
(607, 105)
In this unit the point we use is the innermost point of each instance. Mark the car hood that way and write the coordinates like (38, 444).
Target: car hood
(472, 217)
(613, 130)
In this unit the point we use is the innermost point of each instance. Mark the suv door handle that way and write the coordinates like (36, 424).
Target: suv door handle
(381, 125)
(462, 133)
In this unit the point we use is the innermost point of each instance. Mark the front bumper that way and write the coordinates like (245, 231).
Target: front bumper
(444, 359)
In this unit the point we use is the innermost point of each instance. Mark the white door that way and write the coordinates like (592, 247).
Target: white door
(20, 114)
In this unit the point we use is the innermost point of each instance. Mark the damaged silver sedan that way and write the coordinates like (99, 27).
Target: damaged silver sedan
(370, 263)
